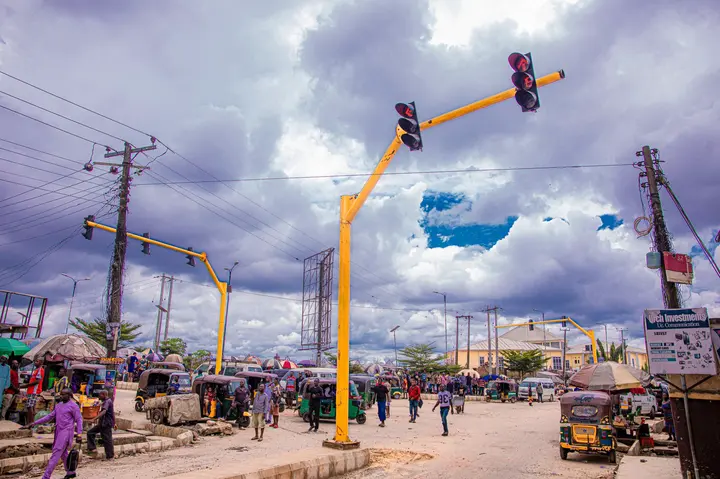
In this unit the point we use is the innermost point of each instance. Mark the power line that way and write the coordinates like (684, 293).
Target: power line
(398, 173)
(35, 168)
(33, 187)
(41, 151)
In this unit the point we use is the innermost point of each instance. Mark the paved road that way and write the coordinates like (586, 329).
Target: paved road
(489, 440)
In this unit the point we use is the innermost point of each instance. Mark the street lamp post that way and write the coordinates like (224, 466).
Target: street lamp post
(227, 304)
(445, 308)
(395, 343)
(72, 298)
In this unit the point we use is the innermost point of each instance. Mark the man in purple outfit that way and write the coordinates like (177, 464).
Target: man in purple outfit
(68, 423)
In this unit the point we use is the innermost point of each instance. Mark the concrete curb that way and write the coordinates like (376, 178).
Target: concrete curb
(126, 386)
(318, 468)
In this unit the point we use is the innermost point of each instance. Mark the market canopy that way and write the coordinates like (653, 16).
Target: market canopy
(61, 347)
(12, 347)
(610, 376)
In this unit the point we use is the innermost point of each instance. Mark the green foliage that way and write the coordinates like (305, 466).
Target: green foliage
(614, 354)
(95, 330)
(423, 358)
(193, 360)
(355, 367)
(524, 362)
(173, 346)
(331, 358)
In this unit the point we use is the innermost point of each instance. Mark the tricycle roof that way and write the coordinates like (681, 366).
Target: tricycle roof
(591, 398)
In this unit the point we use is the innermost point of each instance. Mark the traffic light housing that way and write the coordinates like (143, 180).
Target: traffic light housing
(524, 81)
(146, 246)
(531, 327)
(88, 229)
(563, 323)
(190, 258)
(410, 124)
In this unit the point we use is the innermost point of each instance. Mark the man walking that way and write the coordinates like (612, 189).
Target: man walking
(104, 424)
(539, 391)
(260, 407)
(12, 390)
(34, 388)
(444, 400)
(67, 419)
(414, 395)
(381, 394)
(240, 401)
(316, 396)
(4, 377)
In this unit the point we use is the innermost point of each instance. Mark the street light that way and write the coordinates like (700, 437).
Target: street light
(395, 343)
(72, 298)
(543, 318)
(227, 304)
(445, 303)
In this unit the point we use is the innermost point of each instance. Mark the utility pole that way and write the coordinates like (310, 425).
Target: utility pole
(490, 357)
(564, 349)
(445, 309)
(606, 340)
(458, 318)
(622, 344)
(72, 298)
(671, 300)
(227, 304)
(457, 338)
(158, 323)
(167, 313)
(395, 344)
(117, 267)
(497, 354)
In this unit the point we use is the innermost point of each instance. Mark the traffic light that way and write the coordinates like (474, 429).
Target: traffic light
(146, 246)
(410, 124)
(563, 323)
(191, 258)
(530, 326)
(88, 229)
(524, 81)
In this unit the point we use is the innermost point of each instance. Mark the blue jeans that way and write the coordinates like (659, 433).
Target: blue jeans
(444, 411)
(381, 410)
(413, 408)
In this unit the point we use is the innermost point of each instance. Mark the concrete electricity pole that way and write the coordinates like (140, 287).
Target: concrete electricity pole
(117, 267)
(445, 309)
(395, 344)
(171, 279)
(622, 344)
(457, 338)
(72, 298)
(564, 350)
(158, 323)
(490, 358)
(458, 318)
(497, 353)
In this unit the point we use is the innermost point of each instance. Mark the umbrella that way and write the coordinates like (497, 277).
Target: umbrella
(374, 369)
(472, 372)
(60, 347)
(271, 364)
(173, 358)
(306, 363)
(609, 376)
(252, 359)
(287, 364)
(126, 352)
(12, 347)
(153, 357)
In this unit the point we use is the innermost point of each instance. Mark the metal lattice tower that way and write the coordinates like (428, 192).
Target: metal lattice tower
(317, 303)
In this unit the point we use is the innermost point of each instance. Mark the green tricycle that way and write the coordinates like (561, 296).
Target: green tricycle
(501, 390)
(327, 404)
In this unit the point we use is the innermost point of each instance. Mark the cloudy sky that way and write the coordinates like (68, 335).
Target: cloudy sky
(266, 91)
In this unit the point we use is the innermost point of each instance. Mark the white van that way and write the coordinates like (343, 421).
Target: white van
(528, 385)
(229, 368)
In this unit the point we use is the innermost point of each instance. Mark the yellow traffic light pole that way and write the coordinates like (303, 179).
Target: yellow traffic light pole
(587, 332)
(221, 286)
(349, 207)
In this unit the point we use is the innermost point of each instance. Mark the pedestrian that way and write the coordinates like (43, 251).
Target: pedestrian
(539, 391)
(12, 390)
(4, 377)
(414, 395)
(275, 406)
(381, 394)
(104, 424)
(260, 407)
(67, 419)
(240, 402)
(132, 366)
(268, 408)
(444, 400)
(34, 388)
(316, 396)
(61, 383)
(668, 417)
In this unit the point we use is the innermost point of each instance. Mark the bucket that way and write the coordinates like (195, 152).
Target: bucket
(90, 412)
(653, 259)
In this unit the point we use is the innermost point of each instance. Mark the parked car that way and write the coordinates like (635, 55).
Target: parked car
(529, 385)
(229, 368)
(646, 403)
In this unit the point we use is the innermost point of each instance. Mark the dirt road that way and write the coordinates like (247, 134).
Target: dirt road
(489, 440)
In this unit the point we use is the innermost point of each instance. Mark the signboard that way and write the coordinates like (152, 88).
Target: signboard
(678, 268)
(716, 338)
(679, 341)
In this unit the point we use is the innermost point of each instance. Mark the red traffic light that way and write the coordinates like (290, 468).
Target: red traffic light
(405, 110)
(519, 62)
(522, 80)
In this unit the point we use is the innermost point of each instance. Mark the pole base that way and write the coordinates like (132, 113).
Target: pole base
(343, 446)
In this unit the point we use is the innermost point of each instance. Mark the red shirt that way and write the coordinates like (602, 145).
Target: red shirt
(414, 392)
(37, 375)
(14, 387)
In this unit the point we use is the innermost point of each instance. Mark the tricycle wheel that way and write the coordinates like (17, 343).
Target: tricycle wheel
(502, 400)
(487, 399)
(244, 421)
(611, 457)
(139, 406)
(156, 416)
(361, 418)
(306, 417)
(512, 400)
(396, 396)
(282, 407)
(563, 453)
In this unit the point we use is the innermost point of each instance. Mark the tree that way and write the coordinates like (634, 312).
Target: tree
(421, 358)
(355, 367)
(173, 346)
(193, 360)
(614, 354)
(524, 362)
(95, 330)
(331, 358)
